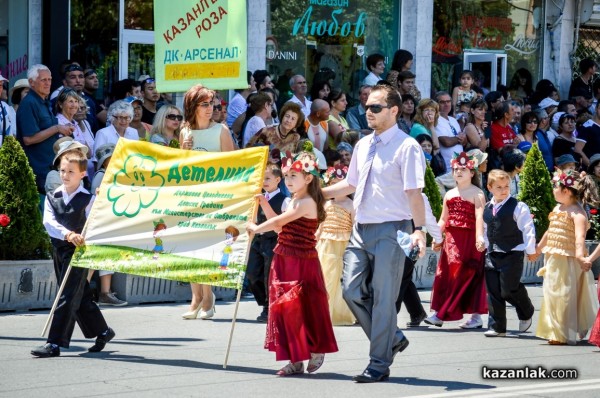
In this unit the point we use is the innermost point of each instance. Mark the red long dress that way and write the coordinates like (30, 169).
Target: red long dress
(459, 284)
(595, 334)
(299, 322)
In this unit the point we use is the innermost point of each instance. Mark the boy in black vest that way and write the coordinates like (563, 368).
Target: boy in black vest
(509, 232)
(272, 203)
(65, 213)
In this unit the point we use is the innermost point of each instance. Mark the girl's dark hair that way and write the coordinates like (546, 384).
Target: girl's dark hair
(401, 57)
(467, 72)
(477, 103)
(513, 159)
(408, 97)
(421, 138)
(331, 156)
(314, 190)
(334, 95)
(316, 87)
(515, 81)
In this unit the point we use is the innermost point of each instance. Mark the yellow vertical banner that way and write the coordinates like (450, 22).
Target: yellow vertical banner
(200, 41)
(173, 214)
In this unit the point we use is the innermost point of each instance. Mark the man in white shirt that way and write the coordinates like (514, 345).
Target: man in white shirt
(386, 174)
(448, 130)
(299, 88)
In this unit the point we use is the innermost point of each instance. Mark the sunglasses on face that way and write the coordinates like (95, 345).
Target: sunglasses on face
(73, 68)
(375, 108)
(217, 108)
(533, 121)
(172, 116)
(89, 73)
(149, 80)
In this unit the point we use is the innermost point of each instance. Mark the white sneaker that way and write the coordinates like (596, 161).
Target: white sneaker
(525, 325)
(493, 333)
(434, 320)
(472, 323)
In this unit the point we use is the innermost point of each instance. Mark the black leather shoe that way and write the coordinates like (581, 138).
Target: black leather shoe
(416, 322)
(264, 316)
(101, 340)
(401, 346)
(371, 376)
(46, 351)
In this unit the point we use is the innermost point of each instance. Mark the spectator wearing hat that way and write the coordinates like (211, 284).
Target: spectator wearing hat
(590, 132)
(8, 116)
(544, 137)
(583, 83)
(544, 88)
(567, 162)
(17, 93)
(53, 180)
(549, 105)
(566, 142)
(136, 123)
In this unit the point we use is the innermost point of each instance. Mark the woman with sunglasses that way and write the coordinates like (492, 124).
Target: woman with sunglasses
(166, 127)
(475, 129)
(201, 133)
(119, 115)
(529, 128)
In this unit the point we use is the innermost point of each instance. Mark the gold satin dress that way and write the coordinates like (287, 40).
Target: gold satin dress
(569, 304)
(335, 234)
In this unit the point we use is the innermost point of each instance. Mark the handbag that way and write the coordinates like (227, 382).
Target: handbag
(438, 164)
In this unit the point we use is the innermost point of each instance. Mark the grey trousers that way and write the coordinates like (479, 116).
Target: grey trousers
(373, 269)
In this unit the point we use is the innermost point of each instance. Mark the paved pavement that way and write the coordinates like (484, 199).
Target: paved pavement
(157, 354)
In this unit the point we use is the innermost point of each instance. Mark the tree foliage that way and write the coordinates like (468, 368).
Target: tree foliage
(25, 237)
(536, 190)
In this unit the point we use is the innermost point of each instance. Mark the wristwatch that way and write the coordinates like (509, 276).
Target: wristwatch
(422, 228)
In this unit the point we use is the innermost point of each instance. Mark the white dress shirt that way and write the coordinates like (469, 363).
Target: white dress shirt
(109, 135)
(431, 224)
(522, 216)
(305, 106)
(54, 229)
(398, 165)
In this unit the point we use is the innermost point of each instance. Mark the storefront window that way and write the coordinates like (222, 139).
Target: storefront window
(511, 30)
(95, 39)
(311, 37)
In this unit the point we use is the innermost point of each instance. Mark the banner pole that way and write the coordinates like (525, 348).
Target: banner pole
(237, 304)
(58, 294)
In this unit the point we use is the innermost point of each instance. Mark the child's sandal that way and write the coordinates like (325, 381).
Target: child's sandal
(315, 362)
(291, 369)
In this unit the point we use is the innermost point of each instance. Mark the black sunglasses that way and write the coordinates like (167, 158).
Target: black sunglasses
(73, 68)
(89, 73)
(376, 108)
(217, 108)
(150, 80)
(172, 116)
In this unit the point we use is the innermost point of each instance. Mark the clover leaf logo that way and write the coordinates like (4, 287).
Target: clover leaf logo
(135, 186)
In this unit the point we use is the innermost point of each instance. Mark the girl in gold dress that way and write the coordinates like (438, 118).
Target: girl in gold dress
(569, 305)
(333, 235)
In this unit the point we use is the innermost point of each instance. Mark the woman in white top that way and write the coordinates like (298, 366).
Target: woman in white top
(67, 106)
(260, 106)
(119, 116)
(201, 133)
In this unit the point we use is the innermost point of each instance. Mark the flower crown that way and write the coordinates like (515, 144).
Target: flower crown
(462, 160)
(300, 163)
(338, 171)
(566, 179)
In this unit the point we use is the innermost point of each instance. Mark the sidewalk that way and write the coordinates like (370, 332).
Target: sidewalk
(157, 354)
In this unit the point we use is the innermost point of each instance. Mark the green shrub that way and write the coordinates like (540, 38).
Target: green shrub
(432, 192)
(25, 237)
(536, 190)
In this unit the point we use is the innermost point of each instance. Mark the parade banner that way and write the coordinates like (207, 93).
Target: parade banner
(174, 214)
(200, 41)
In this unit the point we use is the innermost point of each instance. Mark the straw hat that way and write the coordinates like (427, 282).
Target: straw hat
(67, 146)
(21, 83)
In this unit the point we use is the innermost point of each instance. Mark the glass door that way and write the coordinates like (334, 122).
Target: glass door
(492, 65)
(136, 38)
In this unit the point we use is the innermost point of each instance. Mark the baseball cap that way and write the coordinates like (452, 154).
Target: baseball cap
(547, 102)
(2, 78)
(131, 99)
(564, 159)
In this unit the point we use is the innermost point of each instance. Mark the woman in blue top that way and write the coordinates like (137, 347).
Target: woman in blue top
(426, 119)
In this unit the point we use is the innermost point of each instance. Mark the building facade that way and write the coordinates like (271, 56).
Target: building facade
(308, 37)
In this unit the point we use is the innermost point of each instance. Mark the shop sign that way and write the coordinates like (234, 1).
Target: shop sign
(332, 26)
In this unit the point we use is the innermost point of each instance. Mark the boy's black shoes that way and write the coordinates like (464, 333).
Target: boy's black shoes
(101, 340)
(46, 351)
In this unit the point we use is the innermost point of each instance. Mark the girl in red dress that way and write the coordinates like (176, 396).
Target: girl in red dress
(299, 325)
(459, 284)
(595, 334)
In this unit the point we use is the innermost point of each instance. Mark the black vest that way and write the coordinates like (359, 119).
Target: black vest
(275, 202)
(71, 216)
(502, 229)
